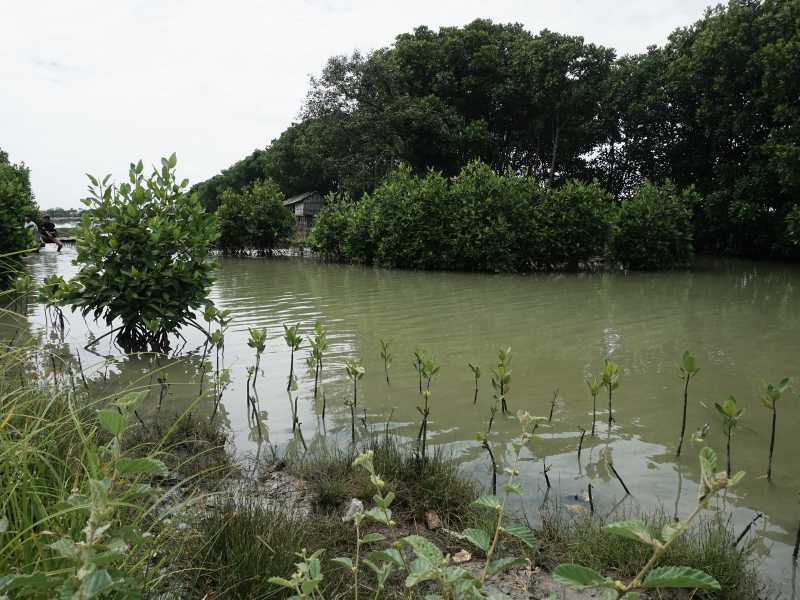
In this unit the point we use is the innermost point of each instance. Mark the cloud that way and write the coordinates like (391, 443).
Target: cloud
(93, 85)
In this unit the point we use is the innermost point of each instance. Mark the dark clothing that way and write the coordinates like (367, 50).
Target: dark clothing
(48, 228)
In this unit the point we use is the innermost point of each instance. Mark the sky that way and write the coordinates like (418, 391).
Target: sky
(89, 86)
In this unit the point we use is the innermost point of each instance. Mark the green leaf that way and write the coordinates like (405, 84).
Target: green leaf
(95, 583)
(579, 577)
(419, 571)
(28, 581)
(424, 549)
(144, 466)
(633, 530)
(680, 577)
(380, 515)
(478, 538)
(372, 537)
(631, 596)
(111, 420)
(523, 533)
(343, 560)
(708, 461)
(65, 548)
(387, 555)
(504, 564)
(490, 502)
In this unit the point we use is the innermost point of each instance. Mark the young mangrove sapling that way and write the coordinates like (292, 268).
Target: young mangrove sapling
(770, 394)
(354, 372)
(689, 369)
(386, 355)
(501, 378)
(476, 373)
(293, 340)
(594, 390)
(730, 417)
(611, 382)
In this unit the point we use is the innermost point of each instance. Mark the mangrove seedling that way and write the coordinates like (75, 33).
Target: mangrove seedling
(651, 576)
(428, 369)
(319, 346)
(594, 390)
(258, 342)
(501, 378)
(483, 438)
(354, 372)
(293, 340)
(476, 373)
(730, 414)
(386, 355)
(770, 394)
(689, 369)
(553, 405)
(610, 382)
(419, 357)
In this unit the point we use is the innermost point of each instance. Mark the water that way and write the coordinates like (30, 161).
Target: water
(741, 319)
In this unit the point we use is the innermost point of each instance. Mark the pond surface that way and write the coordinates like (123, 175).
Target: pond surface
(741, 319)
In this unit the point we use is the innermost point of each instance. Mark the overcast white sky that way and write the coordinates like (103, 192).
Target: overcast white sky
(89, 86)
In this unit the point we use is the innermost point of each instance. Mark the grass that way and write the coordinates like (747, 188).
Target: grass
(237, 546)
(191, 448)
(709, 546)
(434, 486)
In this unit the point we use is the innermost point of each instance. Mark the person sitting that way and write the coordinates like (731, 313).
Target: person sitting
(48, 231)
(33, 229)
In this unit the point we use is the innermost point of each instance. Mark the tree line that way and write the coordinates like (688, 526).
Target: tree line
(715, 108)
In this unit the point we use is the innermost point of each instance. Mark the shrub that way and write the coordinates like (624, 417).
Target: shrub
(329, 235)
(16, 201)
(653, 228)
(253, 218)
(571, 225)
(143, 248)
(491, 216)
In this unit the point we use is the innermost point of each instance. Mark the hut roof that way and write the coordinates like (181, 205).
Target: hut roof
(298, 198)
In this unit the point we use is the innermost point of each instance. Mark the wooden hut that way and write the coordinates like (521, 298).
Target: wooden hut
(304, 207)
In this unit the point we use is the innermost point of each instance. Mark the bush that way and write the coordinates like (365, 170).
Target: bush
(653, 229)
(329, 237)
(16, 201)
(253, 218)
(571, 225)
(143, 248)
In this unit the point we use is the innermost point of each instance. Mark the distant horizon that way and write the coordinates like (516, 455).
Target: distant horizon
(213, 85)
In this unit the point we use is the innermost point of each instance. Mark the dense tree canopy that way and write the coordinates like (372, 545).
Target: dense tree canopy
(717, 107)
(16, 201)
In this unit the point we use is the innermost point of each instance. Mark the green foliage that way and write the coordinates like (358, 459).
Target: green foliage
(429, 563)
(653, 228)
(253, 218)
(477, 220)
(143, 249)
(75, 502)
(650, 576)
(571, 225)
(16, 202)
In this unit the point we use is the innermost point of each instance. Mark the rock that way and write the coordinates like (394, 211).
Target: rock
(432, 520)
(356, 506)
(462, 556)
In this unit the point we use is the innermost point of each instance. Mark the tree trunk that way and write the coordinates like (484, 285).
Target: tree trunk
(555, 149)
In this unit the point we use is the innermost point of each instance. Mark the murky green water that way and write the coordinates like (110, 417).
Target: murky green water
(742, 320)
